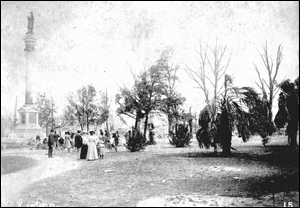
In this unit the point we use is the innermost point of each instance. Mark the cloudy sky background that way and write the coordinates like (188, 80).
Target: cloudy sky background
(80, 43)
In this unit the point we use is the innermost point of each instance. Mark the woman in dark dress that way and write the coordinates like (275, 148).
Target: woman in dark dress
(84, 147)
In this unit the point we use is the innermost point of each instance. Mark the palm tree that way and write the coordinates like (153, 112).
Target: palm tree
(288, 111)
(234, 109)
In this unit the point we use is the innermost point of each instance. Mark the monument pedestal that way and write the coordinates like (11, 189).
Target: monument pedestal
(29, 122)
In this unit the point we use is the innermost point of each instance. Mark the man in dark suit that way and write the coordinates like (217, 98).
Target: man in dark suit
(78, 144)
(50, 143)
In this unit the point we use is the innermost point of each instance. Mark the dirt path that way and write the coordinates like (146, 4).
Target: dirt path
(12, 184)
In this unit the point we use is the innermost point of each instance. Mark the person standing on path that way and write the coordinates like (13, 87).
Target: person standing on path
(84, 147)
(68, 141)
(50, 143)
(55, 142)
(78, 143)
(101, 133)
(113, 141)
(117, 136)
(92, 149)
(97, 145)
(101, 148)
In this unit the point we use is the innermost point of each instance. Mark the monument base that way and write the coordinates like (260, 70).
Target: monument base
(29, 127)
(28, 133)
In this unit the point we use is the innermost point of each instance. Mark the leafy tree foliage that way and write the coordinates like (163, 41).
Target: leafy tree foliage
(288, 112)
(131, 104)
(45, 107)
(142, 98)
(7, 124)
(171, 99)
(83, 107)
(153, 91)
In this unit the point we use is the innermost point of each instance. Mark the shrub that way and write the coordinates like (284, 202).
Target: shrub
(135, 142)
(181, 137)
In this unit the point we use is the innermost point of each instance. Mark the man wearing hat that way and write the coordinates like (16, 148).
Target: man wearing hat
(50, 143)
(78, 143)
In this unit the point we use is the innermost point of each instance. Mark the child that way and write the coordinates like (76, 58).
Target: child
(101, 148)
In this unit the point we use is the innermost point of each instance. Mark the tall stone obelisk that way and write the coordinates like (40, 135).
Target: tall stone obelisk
(29, 114)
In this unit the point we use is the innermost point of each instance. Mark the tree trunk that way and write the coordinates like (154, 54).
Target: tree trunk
(225, 133)
(107, 128)
(293, 139)
(227, 145)
(169, 124)
(137, 124)
(270, 114)
(146, 123)
(87, 124)
(271, 83)
(47, 129)
(191, 127)
(292, 133)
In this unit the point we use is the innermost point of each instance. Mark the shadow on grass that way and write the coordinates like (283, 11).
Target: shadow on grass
(13, 145)
(280, 182)
(12, 164)
(274, 155)
(282, 160)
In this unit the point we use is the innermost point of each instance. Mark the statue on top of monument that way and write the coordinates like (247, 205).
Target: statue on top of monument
(30, 23)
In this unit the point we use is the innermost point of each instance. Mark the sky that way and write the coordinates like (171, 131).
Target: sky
(99, 43)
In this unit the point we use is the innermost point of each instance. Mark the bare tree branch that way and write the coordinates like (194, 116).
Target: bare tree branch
(259, 86)
(272, 85)
(266, 84)
(213, 84)
(276, 91)
(278, 60)
(259, 77)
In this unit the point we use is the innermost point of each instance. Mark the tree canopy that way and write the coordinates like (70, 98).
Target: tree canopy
(82, 106)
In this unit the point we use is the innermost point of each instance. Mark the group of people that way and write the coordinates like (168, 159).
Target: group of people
(58, 141)
(89, 147)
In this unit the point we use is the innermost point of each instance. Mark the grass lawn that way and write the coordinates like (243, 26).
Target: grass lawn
(164, 170)
(11, 164)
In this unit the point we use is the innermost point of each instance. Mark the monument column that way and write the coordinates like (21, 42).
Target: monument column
(29, 126)
(29, 54)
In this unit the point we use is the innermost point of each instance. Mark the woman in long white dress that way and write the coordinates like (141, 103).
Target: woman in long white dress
(68, 141)
(92, 149)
